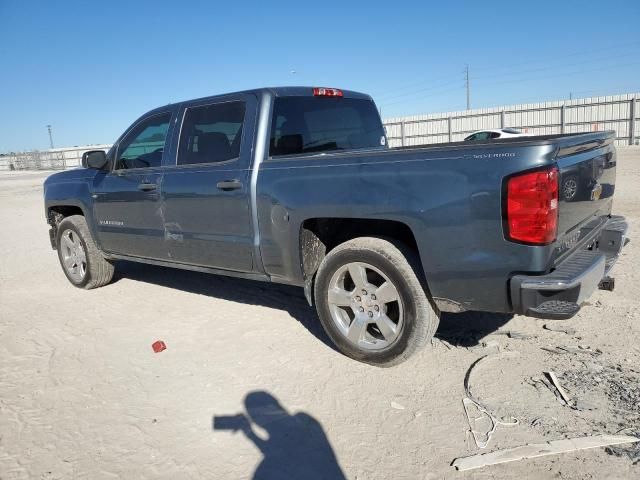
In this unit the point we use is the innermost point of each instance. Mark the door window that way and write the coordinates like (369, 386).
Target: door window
(143, 146)
(211, 133)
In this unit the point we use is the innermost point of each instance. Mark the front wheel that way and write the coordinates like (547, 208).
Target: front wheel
(82, 262)
(371, 302)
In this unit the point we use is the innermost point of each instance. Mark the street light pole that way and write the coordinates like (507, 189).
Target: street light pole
(467, 82)
(50, 136)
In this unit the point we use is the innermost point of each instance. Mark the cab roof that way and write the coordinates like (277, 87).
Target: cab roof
(277, 92)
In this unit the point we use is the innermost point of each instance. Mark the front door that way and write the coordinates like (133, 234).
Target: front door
(206, 194)
(126, 199)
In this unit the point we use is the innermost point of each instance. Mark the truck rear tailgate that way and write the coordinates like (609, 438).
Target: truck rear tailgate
(587, 180)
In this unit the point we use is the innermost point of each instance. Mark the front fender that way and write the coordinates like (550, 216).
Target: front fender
(62, 190)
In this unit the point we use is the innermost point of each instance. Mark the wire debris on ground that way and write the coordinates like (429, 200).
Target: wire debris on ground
(482, 437)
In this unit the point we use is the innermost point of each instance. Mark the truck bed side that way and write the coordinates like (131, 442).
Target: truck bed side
(450, 197)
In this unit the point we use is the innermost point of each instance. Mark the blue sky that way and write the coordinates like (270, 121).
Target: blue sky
(90, 68)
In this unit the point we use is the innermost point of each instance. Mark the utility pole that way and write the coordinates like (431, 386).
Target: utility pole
(466, 81)
(50, 136)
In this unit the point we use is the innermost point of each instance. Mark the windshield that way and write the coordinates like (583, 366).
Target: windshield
(321, 124)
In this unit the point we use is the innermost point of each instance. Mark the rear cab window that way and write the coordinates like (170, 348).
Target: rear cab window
(303, 125)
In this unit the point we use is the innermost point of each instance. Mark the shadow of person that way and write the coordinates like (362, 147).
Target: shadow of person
(296, 446)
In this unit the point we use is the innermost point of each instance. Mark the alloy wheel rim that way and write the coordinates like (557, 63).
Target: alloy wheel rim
(365, 306)
(74, 258)
(570, 188)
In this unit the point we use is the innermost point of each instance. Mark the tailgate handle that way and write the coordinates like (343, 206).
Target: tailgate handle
(147, 187)
(227, 185)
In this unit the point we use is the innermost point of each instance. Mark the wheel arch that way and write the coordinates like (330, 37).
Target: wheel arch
(59, 212)
(318, 236)
(56, 211)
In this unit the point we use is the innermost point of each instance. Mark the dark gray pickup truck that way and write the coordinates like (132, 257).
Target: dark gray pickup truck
(297, 185)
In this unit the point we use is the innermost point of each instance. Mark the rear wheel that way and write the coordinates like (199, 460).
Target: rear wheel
(81, 261)
(371, 302)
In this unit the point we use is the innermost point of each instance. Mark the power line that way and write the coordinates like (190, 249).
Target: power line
(511, 77)
(392, 95)
(555, 67)
(457, 87)
(439, 90)
(441, 81)
(635, 88)
(597, 69)
(409, 89)
(546, 58)
(414, 93)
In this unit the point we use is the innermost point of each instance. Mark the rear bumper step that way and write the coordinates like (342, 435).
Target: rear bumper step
(556, 309)
(559, 294)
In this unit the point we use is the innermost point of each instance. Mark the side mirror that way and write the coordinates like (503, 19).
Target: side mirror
(95, 159)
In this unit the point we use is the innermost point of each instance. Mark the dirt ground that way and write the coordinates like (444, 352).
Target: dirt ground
(83, 395)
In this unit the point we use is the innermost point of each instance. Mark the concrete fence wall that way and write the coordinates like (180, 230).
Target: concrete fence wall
(54, 159)
(619, 112)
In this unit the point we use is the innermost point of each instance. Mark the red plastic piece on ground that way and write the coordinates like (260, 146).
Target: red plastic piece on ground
(158, 346)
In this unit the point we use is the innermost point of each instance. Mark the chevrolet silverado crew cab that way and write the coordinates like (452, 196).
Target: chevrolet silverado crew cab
(297, 185)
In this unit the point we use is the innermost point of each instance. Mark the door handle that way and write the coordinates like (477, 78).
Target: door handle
(228, 185)
(147, 187)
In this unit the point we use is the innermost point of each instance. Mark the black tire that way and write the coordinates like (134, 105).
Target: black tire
(99, 271)
(401, 266)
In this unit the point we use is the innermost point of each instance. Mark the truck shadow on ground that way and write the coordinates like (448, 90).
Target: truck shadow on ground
(467, 329)
(460, 329)
(295, 445)
(250, 292)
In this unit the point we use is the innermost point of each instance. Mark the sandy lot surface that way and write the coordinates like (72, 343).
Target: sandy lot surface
(82, 394)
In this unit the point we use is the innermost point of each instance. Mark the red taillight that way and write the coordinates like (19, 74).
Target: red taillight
(327, 92)
(532, 207)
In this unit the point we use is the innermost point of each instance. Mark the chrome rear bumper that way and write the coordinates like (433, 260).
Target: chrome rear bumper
(559, 294)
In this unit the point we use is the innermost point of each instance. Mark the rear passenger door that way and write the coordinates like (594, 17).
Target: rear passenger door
(206, 193)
